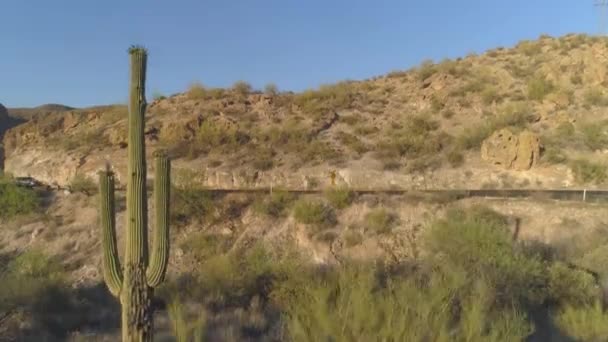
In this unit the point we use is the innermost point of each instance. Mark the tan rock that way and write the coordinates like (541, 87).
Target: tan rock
(510, 151)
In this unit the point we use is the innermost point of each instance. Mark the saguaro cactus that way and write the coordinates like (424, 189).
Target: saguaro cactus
(134, 282)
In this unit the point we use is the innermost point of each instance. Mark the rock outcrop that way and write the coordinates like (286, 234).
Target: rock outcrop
(3, 114)
(511, 151)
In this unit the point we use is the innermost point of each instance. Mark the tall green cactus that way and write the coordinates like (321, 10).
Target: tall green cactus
(134, 282)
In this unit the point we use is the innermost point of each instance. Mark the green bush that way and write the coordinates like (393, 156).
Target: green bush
(426, 70)
(574, 287)
(36, 284)
(274, 205)
(15, 200)
(184, 329)
(479, 241)
(352, 142)
(583, 323)
(340, 197)
(352, 238)
(595, 97)
(197, 91)
(538, 88)
(553, 155)
(242, 88)
(83, 183)
(352, 305)
(514, 118)
(380, 221)
(271, 89)
(455, 157)
(418, 139)
(213, 136)
(313, 213)
(489, 95)
(191, 204)
(326, 99)
(586, 171)
(595, 135)
(157, 96)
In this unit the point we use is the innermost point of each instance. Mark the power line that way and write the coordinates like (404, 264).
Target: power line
(603, 8)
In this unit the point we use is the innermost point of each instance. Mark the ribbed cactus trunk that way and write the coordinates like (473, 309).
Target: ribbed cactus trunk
(134, 283)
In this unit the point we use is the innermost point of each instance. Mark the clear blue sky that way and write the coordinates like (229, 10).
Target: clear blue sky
(74, 51)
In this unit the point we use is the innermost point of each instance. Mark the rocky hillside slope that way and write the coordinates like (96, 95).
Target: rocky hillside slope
(529, 116)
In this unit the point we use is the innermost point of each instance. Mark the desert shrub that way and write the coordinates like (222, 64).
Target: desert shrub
(15, 200)
(233, 279)
(529, 48)
(352, 238)
(353, 305)
(447, 114)
(380, 220)
(489, 95)
(426, 70)
(114, 113)
(316, 151)
(583, 323)
(571, 286)
(484, 247)
(455, 157)
(554, 155)
(183, 328)
(538, 88)
(595, 97)
(271, 89)
(202, 246)
(36, 283)
(339, 197)
(327, 98)
(436, 104)
(452, 67)
(157, 96)
(514, 118)
(564, 130)
(595, 135)
(83, 183)
(85, 141)
(242, 88)
(352, 142)
(576, 78)
(417, 139)
(586, 171)
(274, 205)
(191, 204)
(290, 137)
(197, 91)
(313, 213)
(213, 136)
(351, 120)
(263, 159)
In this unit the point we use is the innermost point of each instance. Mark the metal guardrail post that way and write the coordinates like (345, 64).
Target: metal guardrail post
(584, 195)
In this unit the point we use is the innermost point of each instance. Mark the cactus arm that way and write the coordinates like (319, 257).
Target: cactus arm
(160, 244)
(112, 272)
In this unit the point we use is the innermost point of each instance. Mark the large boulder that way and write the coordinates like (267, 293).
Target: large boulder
(511, 151)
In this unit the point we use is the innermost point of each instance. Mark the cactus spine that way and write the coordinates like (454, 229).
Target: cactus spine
(134, 282)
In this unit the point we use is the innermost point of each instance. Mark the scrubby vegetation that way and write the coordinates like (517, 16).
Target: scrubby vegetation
(15, 200)
(472, 282)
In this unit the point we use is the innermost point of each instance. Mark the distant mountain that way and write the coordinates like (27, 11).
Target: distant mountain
(28, 113)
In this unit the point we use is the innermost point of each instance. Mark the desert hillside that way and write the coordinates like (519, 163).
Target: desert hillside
(419, 128)
(293, 266)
